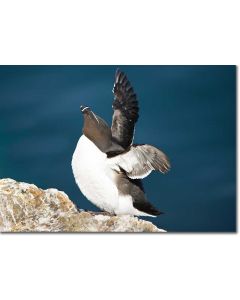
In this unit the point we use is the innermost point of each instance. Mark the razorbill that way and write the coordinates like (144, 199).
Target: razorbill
(107, 166)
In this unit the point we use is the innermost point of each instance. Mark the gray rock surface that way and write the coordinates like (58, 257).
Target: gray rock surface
(26, 208)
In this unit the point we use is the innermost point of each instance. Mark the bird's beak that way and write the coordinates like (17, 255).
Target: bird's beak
(84, 108)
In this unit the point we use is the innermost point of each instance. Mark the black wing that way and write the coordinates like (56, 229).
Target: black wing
(140, 201)
(126, 109)
(134, 187)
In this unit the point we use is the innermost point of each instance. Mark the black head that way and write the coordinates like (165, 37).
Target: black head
(95, 128)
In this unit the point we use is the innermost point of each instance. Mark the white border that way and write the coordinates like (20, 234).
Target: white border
(172, 266)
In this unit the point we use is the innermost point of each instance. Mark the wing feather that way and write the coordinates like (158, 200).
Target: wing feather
(141, 160)
(125, 106)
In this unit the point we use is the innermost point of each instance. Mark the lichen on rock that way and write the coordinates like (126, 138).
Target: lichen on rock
(26, 208)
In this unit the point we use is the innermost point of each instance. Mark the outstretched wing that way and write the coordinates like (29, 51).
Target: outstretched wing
(125, 106)
(141, 160)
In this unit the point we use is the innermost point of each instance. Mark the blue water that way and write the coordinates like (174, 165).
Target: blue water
(187, 111)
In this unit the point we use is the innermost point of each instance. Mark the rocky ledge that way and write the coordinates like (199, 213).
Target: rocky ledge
(26, 208)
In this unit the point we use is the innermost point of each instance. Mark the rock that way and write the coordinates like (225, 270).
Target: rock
(26, 208)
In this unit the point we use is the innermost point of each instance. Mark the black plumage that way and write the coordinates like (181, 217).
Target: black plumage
(134, 187)
(126, 110)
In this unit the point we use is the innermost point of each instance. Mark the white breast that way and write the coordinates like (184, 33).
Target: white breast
(94, 176)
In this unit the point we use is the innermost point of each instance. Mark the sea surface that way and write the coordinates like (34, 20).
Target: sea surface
(187, 111)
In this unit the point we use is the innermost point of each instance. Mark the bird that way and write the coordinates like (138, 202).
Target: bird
(107, 166)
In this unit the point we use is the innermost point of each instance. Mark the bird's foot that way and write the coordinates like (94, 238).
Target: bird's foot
(104, 213)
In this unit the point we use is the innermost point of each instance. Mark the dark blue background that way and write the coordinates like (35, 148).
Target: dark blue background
(187, 111)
